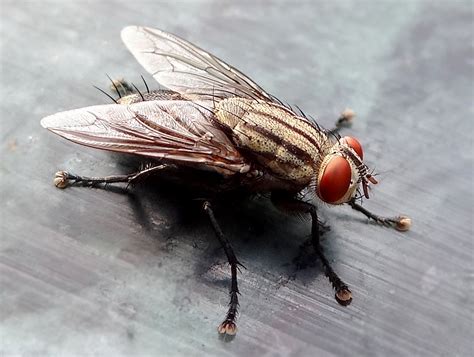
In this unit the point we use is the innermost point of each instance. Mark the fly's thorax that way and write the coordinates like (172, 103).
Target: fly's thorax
(287, 145)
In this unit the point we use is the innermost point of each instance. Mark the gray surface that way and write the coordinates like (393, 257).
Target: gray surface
(88, 271)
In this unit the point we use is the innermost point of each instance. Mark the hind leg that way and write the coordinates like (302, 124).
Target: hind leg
(62, 179)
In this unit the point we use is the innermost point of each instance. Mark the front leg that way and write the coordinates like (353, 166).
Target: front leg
(400, 223)
(292, 204)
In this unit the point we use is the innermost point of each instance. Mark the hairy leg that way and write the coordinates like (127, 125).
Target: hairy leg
(228, 327)
(121, 87)
(62, 179)
(400, 223)
(291, 204)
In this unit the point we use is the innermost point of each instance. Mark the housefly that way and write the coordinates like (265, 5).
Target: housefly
(212, 117)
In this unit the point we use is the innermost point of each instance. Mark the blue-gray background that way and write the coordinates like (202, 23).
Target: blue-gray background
(88, 271)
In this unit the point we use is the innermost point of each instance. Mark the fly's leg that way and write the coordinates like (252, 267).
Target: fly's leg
(62, 179)
(344, 120)
(121, 87)
(228, 328)
(343, 294)
(400, 223)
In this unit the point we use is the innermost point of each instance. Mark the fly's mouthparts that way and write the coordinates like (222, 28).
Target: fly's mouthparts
(371, 179)
(365, 183)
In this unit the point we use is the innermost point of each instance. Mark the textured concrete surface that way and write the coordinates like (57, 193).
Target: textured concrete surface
(100, 272)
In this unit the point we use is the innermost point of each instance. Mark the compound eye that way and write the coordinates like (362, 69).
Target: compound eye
(335, 180)
(355, 145)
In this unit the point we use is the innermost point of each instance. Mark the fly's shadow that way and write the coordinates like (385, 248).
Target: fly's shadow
(266, 239)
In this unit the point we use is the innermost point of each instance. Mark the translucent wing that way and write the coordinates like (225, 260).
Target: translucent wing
(173, 130)
(187, 69)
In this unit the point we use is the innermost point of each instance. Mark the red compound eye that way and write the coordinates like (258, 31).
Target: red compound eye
(354, 144)
(335, 180)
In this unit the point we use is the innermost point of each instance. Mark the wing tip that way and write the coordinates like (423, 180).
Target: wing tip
(73, 118)
(47, 122)
(129, 31)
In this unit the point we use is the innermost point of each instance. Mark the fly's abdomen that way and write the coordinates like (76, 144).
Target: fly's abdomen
(287, 145)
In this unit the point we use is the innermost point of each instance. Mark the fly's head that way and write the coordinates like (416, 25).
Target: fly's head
(342, 171)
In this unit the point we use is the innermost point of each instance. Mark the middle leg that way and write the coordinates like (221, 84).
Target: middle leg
(291, 204)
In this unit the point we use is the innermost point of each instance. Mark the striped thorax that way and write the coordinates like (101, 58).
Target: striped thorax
(289, 146)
